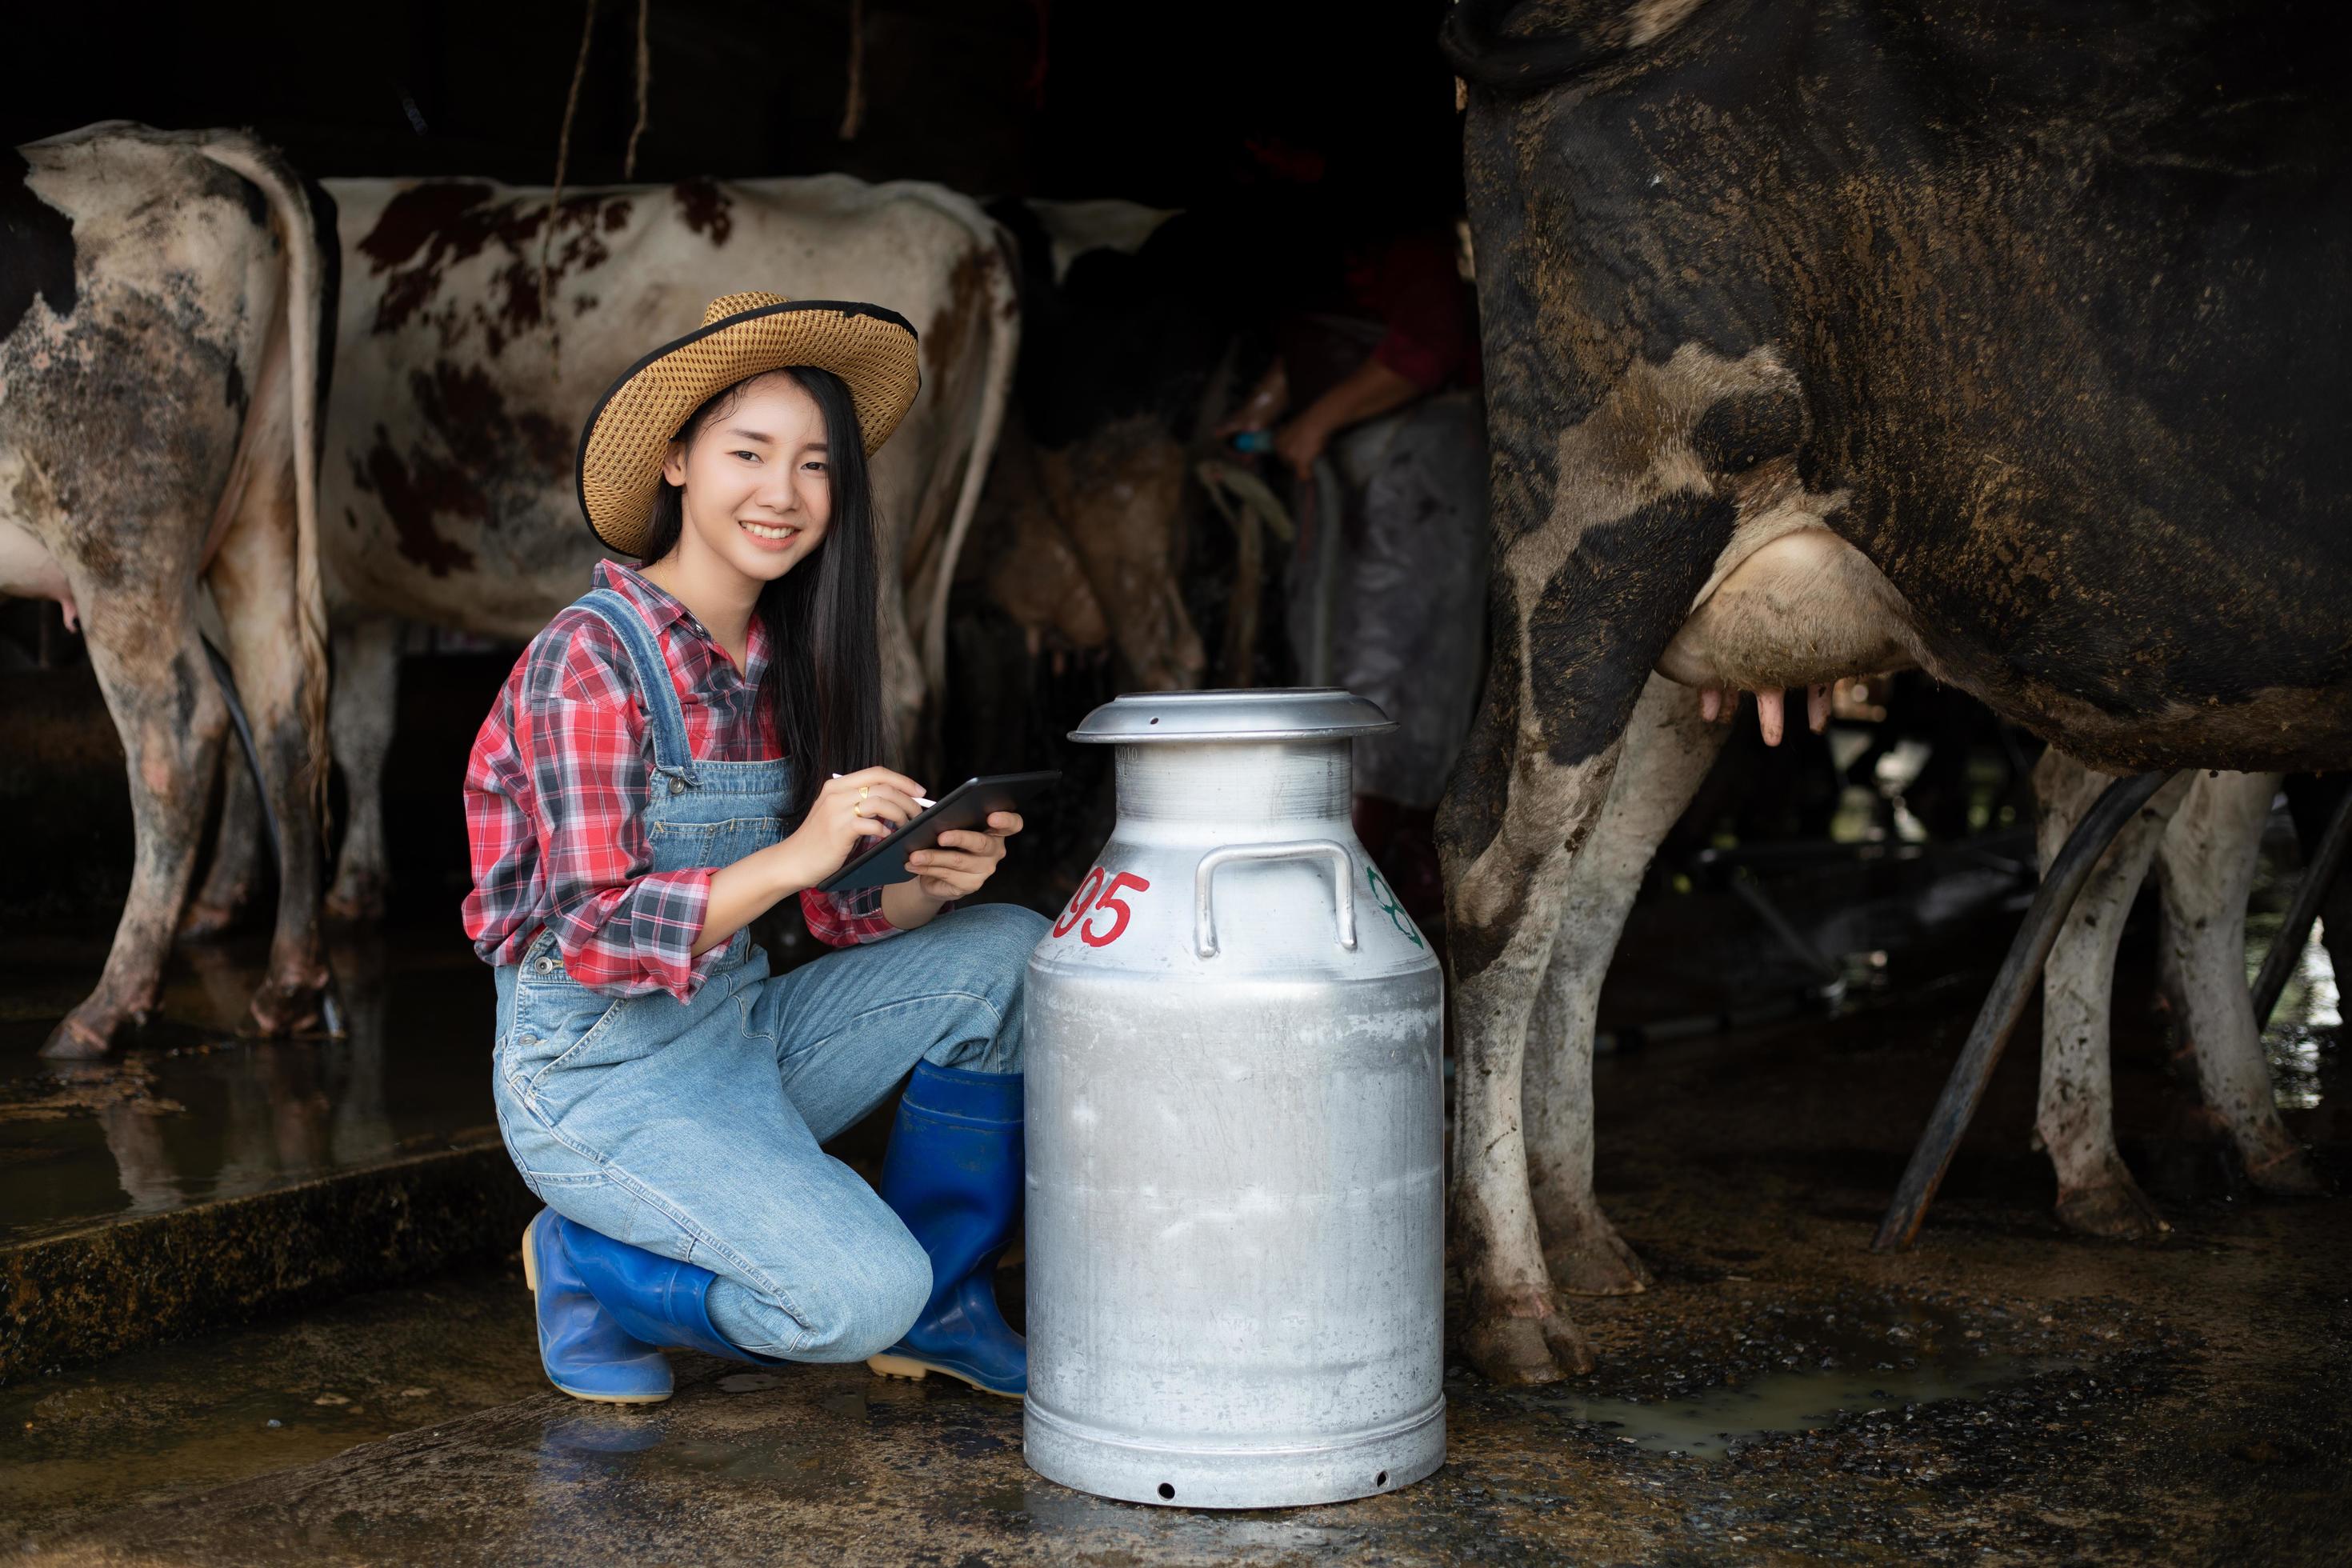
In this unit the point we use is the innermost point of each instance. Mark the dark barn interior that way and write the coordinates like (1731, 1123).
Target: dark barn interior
(260, 1295)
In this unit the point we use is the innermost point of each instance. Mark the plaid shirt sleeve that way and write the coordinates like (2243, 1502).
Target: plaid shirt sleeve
(844, 919)
(622, 928)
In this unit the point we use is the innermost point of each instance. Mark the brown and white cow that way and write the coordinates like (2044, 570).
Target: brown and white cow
(448, 492)
(1816, 335)
(1118, 357)
(166, 306)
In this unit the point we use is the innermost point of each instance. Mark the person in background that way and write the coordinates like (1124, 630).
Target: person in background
(1377, 370)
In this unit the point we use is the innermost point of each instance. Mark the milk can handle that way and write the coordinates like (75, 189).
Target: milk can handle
(1343, 885)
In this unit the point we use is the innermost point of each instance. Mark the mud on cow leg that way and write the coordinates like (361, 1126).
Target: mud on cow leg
(1582, 1251)
(2205, 866)
(171, 719)
(366, 697)
(1668, 748)
(252, 577)
(2076, 1115)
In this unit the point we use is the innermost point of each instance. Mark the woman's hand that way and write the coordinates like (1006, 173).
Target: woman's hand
(1300, 442)
(965, 859)
(848, 811)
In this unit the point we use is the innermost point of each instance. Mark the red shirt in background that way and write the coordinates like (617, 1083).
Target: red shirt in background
(1427, 315)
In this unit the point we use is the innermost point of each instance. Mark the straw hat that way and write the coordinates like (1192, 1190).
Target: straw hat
(742, 335)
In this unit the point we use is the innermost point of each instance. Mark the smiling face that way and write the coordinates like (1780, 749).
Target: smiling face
(758, 479)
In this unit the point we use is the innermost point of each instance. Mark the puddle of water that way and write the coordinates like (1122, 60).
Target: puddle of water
(1798, 1368)
(602, 1432)
(1704, 1425)
(192, 1113)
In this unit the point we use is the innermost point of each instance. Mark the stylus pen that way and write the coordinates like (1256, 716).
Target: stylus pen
(919, 801)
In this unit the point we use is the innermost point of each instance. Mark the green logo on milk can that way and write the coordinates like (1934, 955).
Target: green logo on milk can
(1389, 906)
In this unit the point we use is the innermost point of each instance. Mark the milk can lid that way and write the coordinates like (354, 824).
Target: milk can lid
(1301, 713)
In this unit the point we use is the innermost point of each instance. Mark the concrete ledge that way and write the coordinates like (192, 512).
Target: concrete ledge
(116, 1286)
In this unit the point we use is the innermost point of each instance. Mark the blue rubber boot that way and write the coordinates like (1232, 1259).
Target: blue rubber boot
(586, 1353)
(655, 1299)
(953, 1175)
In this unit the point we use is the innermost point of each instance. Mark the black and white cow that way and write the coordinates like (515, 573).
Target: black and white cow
(447, 489)
(166, 321)
(1992, 338)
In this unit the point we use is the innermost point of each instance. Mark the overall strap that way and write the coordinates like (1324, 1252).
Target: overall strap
(671, 754)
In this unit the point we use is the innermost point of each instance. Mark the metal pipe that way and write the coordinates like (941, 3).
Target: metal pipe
(2013, 986)
(2318, 873)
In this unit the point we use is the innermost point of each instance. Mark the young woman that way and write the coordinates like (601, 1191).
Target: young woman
(686, 745)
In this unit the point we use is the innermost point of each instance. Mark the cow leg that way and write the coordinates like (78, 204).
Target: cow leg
(237, 847)
(1503, 904)
(171, 720)
(2077, 1118)
(1668, 750)
(2205, 866)
(359, 717)
(1518, 1331)
(253, 580)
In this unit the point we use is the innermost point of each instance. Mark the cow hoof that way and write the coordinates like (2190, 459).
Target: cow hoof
(2113, 1211)
(2287, 1174)
(1521, 1351)
(74, 1040)
(1597, 1262)
(353, 903)
(282, 1008)
(204, 922)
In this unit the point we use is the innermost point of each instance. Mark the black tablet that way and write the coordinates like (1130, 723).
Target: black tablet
(966, 805)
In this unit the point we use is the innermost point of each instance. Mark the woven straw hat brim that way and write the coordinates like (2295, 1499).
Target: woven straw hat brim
(873, 350)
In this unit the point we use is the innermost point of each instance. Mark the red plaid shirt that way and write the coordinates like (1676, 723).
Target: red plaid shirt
(556, 788)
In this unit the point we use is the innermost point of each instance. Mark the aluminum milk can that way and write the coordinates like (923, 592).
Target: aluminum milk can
(1236, 1208)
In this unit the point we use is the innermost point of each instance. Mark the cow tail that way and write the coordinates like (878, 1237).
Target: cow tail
(311, 264)
(1004, 310)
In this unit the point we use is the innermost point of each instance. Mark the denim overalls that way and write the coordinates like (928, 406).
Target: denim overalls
(692, 1129)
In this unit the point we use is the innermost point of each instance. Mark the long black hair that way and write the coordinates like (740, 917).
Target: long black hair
(823, 680)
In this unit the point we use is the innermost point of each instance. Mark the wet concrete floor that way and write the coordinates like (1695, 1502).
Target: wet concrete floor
(2004, 1391)
(164, 1423)
(191, 1111)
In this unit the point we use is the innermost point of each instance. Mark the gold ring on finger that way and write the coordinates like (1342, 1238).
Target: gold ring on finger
(863, 790)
